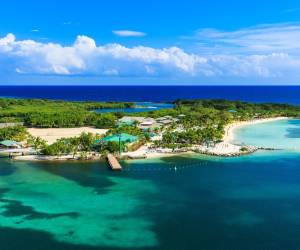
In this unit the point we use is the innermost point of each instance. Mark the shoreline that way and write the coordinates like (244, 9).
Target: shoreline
(222, 149)
(230, 128)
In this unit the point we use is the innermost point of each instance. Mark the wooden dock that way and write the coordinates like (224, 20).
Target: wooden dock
(113, 162)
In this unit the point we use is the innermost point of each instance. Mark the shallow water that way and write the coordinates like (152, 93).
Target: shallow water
(249, 202)
(140, 107)
(282, 134)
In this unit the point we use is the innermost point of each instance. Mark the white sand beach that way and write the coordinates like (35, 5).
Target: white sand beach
(147, 152)
(50, 135)
(224, 148)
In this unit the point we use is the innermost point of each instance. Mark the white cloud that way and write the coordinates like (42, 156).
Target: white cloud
(5, 41)
(128, 33)
(260, 39)
(275, 65)
(84, 57)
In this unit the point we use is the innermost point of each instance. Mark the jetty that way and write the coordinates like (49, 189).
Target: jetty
(113, 162)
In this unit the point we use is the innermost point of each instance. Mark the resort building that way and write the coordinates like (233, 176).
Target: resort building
(9, 144)
(143, 122)
(147, 123)
(123, 138)
(166, 120)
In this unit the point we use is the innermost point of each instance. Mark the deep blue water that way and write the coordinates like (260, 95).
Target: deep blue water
(209, 203)
(252, 202)
(278, 94)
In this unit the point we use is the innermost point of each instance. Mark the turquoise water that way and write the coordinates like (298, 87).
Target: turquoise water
(249, 202)
(140, 107)
(282, 134)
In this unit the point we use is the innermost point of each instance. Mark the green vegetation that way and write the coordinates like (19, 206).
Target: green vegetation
(64, 146)
(57, 114)
(242, 110)
(204, 121)
(16, 133)
(128, 129)
(114, 147)
(36, 143)
(199, 122)
(111, 147)
(244, 149)
(106, 121)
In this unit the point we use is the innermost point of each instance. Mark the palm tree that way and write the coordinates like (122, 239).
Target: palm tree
(74, 145)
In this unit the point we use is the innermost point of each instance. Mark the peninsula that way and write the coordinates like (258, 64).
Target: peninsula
(34, 129)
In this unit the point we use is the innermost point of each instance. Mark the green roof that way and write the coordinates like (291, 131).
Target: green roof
(9, 143)
(115, 138)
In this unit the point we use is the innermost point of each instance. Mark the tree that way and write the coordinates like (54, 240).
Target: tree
(74, 145)
(106, 121)
(16, 133)
(37, 143)
(86, 141)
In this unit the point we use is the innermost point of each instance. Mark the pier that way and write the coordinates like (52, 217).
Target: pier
(113, 162)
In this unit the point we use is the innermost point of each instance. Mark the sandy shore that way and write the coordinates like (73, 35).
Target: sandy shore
(224, 148)
(229, 130)
(220, 149)
(147, 152)
(50, 135)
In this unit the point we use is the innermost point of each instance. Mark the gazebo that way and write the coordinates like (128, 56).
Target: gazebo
(9, 144)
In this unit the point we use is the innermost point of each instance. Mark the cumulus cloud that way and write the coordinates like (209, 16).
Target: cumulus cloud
(84, 57)
(129, 33)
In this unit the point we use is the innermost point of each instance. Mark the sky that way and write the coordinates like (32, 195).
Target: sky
(154, 42)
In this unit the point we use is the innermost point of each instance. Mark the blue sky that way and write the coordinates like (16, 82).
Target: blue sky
(149, 42)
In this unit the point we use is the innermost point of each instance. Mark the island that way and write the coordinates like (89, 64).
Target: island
(36, 129)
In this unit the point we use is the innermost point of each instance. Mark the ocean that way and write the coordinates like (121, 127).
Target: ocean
(250, 202)
(185, 202)
(278, 94)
